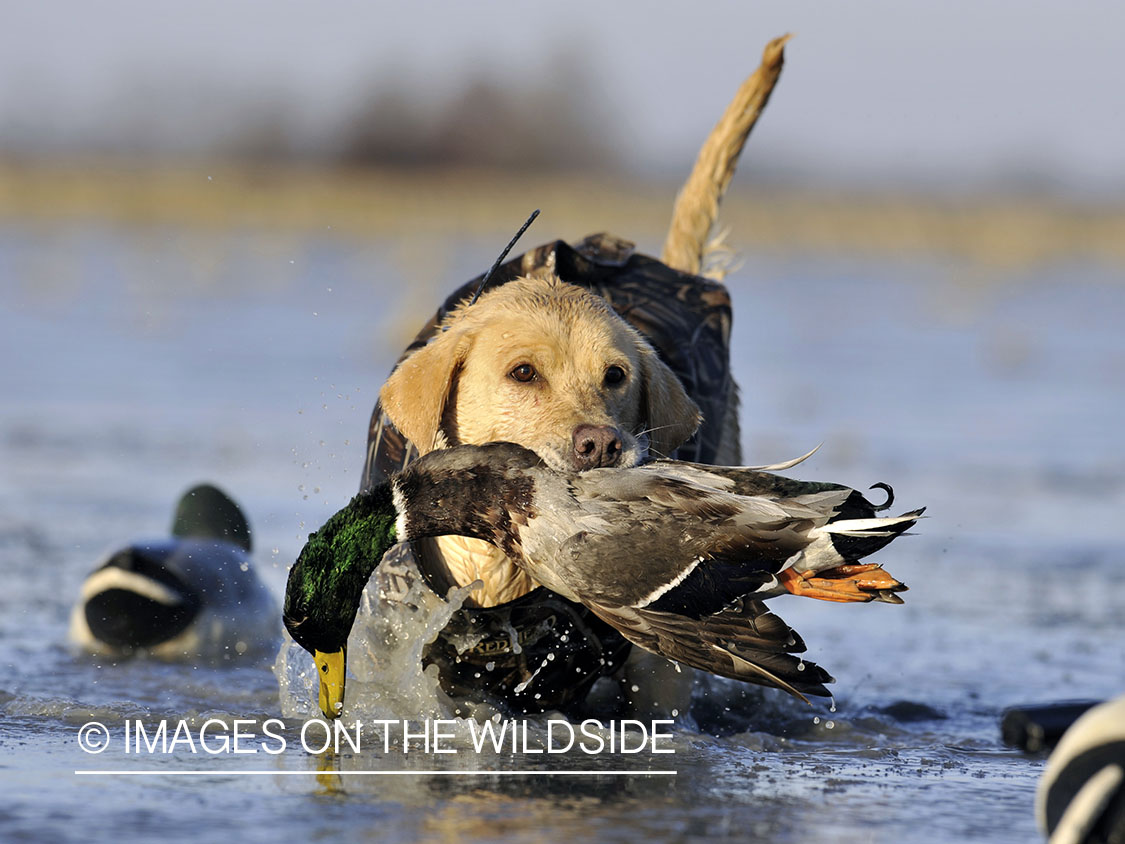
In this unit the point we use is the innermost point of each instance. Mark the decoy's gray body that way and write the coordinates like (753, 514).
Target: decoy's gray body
(194, 594)
(677, 556)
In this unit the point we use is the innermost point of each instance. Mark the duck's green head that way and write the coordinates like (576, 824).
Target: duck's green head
(477, 491)
(327, 582)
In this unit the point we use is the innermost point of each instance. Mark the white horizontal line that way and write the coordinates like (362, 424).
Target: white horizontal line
(218, 772)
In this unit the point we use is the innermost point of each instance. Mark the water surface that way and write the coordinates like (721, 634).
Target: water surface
(140, 361)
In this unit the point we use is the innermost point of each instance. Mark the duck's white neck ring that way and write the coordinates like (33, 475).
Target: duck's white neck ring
(402, 530)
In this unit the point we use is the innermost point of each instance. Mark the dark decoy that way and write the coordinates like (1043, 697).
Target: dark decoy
(194, 594)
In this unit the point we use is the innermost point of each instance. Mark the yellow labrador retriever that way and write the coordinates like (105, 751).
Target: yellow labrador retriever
(552, 367)
(547, 365)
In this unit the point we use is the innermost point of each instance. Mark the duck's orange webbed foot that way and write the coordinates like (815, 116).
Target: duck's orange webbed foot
(845, 584)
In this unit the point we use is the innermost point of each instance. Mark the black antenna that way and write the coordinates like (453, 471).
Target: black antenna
(488, 276)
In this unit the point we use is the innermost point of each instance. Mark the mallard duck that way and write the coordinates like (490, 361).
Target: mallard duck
(193, 594)
(676, 556)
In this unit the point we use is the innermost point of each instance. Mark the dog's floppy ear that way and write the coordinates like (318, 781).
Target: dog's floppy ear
(672, 415)
(415, 395)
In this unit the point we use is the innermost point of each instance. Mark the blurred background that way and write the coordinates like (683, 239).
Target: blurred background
(220, 223)
(246, 197)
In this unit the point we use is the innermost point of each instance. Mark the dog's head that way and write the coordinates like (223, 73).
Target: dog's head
(547, 365)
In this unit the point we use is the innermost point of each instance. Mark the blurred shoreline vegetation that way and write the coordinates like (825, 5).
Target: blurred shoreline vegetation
(555, 121)
(475, 162)
(1005, 233)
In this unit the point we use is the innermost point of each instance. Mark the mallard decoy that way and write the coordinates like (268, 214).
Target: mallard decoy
(676, 556)
(194, 594)
(1081, 795)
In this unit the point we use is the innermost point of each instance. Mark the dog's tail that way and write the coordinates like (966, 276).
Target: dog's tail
(697, 205)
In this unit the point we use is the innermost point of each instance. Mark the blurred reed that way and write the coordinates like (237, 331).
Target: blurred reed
(1003, 233)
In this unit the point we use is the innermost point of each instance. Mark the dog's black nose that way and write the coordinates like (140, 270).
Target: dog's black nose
(596, 446)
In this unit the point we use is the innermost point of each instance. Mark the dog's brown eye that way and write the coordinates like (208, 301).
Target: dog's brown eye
(523, 373)
(614, 375)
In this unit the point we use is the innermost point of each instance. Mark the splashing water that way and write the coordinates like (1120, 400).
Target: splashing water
(398, 617)
(914, 754)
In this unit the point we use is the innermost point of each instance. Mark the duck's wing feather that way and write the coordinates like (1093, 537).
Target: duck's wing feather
(636, 538)
(745, 641)
(787, 464)
(825, 497)
(852, 520)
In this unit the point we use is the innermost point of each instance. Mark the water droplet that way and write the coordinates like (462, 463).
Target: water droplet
(675, 713)
(828, 725)
(816, 719)
(635, 688)
(800, 666)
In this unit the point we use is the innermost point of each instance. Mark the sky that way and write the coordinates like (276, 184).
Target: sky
(885, 90)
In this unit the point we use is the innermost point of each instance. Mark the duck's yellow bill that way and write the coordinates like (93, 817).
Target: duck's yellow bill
(331, 667)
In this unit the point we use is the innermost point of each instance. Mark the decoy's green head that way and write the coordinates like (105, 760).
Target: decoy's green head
(327, 581)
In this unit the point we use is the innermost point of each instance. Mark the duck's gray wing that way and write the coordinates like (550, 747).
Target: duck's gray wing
(745, 641)
(626, 538)
(833, 500)
(836, 500)
(853, 521)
